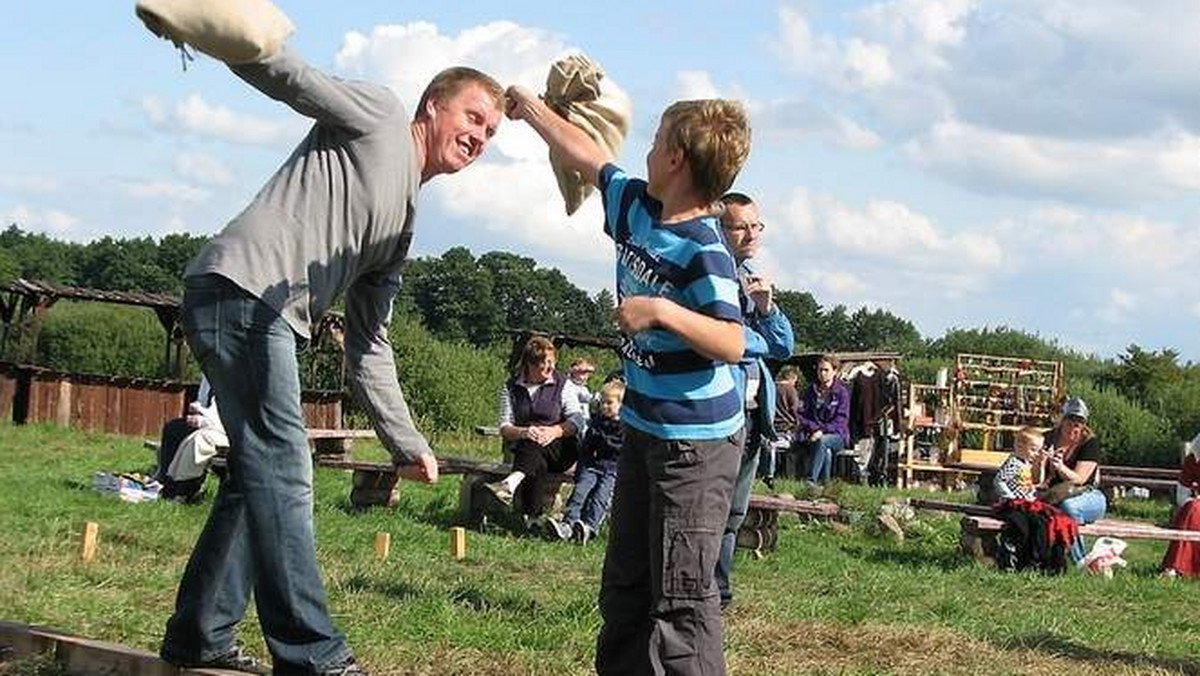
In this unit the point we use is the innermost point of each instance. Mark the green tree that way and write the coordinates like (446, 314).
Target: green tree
(881, 330)
(805, 314)
(39, 257)
(453, 296)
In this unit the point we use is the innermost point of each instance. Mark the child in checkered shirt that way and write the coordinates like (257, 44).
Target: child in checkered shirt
(1019, 475)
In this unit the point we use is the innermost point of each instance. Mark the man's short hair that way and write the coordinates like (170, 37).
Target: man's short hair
(448, 83)
(714, 135)
(735, 198)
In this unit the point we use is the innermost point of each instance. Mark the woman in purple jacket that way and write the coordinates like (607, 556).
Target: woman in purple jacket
(822, 420)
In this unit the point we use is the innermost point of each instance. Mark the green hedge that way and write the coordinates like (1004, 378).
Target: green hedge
(107, 339)
(1129, 434)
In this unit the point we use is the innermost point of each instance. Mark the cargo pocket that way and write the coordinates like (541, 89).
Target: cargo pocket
(690, 553)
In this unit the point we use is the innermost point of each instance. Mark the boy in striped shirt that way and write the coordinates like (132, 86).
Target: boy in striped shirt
(680, 315)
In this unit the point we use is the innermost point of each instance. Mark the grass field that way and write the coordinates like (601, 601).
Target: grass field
(824, 603)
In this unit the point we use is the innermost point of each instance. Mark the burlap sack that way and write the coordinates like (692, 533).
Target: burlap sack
(577, 89)
(233, 31)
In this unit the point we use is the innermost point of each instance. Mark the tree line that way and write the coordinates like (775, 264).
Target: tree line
(1145, 401)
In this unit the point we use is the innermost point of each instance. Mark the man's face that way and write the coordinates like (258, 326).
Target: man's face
(460, 129)
(743, 230)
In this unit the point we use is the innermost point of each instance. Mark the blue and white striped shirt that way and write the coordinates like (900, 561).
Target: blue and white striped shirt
(672, 391)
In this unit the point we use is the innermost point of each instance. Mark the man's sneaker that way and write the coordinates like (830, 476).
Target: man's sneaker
(500, 491)
(556, 529)
(582, 533)
(349, 668)
(234, 660)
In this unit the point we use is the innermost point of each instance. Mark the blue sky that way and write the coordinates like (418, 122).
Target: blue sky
(1026, 163)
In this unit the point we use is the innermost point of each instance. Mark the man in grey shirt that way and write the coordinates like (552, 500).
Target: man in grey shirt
(335, 219)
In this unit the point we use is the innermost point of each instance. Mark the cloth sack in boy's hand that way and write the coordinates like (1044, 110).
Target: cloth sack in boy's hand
(233, 31)
(577, 89)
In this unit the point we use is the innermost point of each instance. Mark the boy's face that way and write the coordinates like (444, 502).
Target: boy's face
(1026, 448)
(610, 405)
(661, 161)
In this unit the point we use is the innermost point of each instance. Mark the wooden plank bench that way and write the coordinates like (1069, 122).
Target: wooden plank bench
(760, 530)
(980, 527)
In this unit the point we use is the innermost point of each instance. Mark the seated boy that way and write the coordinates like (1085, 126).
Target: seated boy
(679, 313)
(596, 471)
(1016, 477)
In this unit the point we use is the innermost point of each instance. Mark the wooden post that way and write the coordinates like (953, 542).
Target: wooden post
(383, 544)
(458, 543)
(91, 532)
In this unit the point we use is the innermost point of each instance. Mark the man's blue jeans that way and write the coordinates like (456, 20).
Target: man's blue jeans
(820, 456)
(259, 535)
(592, 496)
(739, 505)
(1086, 507)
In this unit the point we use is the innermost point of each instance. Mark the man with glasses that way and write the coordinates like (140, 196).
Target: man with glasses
(768, 334)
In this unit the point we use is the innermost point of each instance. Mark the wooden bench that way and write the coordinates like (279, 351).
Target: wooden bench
(980, 527)
(760, 530)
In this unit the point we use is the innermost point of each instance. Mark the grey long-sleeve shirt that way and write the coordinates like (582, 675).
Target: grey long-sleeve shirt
(335, 218)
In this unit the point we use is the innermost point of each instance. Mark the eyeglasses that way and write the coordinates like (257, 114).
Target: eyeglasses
(746, 227)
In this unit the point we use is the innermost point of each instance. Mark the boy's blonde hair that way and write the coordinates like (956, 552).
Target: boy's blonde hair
(1031, 437)
(615, 388)
(714, 135)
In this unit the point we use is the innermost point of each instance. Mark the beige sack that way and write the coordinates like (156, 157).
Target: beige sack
(577, 90)
(233, 31)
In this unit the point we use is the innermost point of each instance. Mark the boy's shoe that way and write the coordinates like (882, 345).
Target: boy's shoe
(234, 660)
(582, 533)
(556, 529)
(500, 491)
(769, 481)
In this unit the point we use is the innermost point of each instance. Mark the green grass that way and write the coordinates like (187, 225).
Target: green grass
(825, 602)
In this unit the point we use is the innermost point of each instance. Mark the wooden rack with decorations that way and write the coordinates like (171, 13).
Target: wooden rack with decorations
(929, 438)
(996, 396)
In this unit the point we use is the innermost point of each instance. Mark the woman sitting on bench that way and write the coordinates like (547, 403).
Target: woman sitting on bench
(823, 420)
(1072, 468)
(539, 415)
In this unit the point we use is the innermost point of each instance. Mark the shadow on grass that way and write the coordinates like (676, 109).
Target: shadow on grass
(397, 590)
(944, 560)
(483, 600)
(1058, 646)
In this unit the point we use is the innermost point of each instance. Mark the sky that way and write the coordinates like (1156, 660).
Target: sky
(1026, 163)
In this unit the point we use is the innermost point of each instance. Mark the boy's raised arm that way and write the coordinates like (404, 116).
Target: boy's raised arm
(579, 151)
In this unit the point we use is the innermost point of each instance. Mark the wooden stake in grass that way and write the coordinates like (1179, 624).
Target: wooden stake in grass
(91, 531)
(383, 544)
(458, 542)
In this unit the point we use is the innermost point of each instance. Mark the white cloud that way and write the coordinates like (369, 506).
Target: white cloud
(1016, 97)
(1120, 302)
(44, 220)
(1195, 309)
(28, 183)
(853, 64)
(201, 168)
(695, 84)
(520, 201)
(195, 115)
(164, 190)
(890, 230)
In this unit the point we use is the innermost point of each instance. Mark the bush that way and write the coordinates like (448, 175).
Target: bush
(100, 338)
(448, 386)
(1129, 434)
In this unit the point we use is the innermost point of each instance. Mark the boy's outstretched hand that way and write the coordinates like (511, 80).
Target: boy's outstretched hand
(519, 102)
